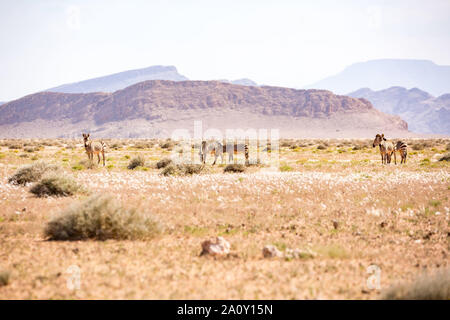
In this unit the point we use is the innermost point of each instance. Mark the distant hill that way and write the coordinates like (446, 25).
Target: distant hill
(117, 81)
(423, 112)
(385, 73)
(155, 108)
(1, 102)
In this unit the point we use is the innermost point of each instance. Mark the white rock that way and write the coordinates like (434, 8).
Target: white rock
(218, 248)
(270, 251)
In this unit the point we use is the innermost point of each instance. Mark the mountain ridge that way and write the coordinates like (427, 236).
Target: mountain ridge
(423, 112)
(162, 103)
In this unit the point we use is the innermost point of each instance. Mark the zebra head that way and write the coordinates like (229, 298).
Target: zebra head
(378, 139)
(86, 138)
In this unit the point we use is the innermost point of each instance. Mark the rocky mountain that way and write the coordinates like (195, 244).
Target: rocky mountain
(423, 112)
(157, 107)
(385, 73)
(117, 81)
(242, 82)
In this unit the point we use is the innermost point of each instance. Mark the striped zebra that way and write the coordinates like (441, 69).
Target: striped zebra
(94, 147)
(219, 149)
(402, 149)
(386, 148)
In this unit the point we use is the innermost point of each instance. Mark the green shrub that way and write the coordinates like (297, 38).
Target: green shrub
(138, 161)
(101, 217)
(234, 167)
(56, 185)
(32, 173)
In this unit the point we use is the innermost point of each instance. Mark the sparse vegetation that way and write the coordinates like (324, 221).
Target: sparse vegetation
(101, 217)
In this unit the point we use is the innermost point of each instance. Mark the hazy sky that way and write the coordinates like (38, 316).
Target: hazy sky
(287, 43)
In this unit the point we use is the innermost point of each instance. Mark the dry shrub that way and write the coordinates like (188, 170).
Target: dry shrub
(167, 145)
(101, 217)
(426, 287)
(447, 147)
(321, 147)
(234, 167)
(138, 161)
(446, 157)
(169, 170)
(189, 169)
(4, 278)
(32, 173)
(182, 169)
(163, 163)
(56, 185)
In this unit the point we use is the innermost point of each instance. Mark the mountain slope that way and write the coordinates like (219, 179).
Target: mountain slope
(385, 73)
(423, 112)
(157, 107)
(117, 81)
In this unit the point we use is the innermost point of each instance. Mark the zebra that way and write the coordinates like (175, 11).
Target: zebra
(401, 148)
(219, 149)
(386, 148)
(94, 147)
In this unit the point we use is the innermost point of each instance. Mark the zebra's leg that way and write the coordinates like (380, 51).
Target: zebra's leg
(103, 154)
(395, 158)
(215, 159)
(98, 156)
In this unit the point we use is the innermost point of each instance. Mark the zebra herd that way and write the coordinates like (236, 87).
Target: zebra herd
(387, 148)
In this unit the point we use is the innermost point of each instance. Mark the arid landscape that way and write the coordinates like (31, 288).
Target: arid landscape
(339, 222)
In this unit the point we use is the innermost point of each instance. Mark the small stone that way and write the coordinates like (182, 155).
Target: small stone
(270, 251)
(383, 224)
(335, 224)
(220, 247)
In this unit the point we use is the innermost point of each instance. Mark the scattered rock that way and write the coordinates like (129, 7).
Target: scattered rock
(220, 247)
(270, 251)
(383, 224)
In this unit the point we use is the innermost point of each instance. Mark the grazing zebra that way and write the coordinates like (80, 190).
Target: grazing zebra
(219, 149)
(401, 148)
(94, 147)
(386, 148)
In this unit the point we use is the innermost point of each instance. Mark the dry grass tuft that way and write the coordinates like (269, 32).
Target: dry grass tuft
(32, 173)
(138, 161)
(56, 185)
(426, 287)
(101, 217)
(235, 167)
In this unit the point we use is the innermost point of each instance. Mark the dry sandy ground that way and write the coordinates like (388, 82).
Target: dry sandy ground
(338, 202)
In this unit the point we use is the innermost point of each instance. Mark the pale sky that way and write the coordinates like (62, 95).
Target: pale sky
(285, 43)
